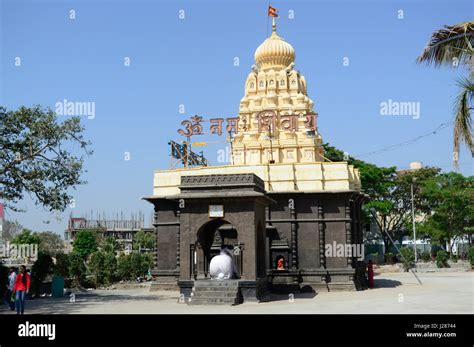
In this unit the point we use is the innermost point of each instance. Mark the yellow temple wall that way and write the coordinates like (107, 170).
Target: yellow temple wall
(307, 177)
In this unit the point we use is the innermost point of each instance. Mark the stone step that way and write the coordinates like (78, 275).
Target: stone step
(214, 294)
(216, 283)
(215, 289)
(211, 301)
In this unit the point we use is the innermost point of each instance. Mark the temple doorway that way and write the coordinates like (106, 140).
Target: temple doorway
(210, 239)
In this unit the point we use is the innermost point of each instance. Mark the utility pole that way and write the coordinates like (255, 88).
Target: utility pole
(413, 218)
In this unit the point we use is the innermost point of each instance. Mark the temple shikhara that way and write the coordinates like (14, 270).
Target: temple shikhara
(275, 206)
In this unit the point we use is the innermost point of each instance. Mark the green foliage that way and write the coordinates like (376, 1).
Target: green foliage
(61, 268)
(425, 256)
(85, 243)
(27, 237)
(110, 265)
(407, 257)
(77, 268)
(42, 267)
(454, 258)
(442, 259)
(34, 158)
(471, 255)
(110, 245)
(390, 194)
(450, 198)
(96, 267)
(143, 240)
(124, 267)
(134, 265)
(50, 242)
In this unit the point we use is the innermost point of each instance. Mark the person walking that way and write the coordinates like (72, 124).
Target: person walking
(10, 285)
(21, 288)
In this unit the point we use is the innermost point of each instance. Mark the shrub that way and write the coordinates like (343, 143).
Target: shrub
(110, 265)
(471, 255)
(96, 267)
(442, 259)
(454, 258)
(77, 268)
(426, 256)
(42, 267)
(133, 265)
(62, 265)
(408, 257)
(124, 267)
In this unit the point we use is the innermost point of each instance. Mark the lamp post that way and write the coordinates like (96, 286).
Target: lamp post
(413, 218)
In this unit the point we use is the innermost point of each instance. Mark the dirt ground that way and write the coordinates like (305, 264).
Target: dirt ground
(394, 293)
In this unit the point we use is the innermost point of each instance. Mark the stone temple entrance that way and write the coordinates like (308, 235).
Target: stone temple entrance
(212, 237)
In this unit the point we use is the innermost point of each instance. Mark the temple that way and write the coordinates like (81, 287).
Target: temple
(277, 205)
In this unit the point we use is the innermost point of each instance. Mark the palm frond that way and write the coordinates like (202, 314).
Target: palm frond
(454, 41)
(462, 120)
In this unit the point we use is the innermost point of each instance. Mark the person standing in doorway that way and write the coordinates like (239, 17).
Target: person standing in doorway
(21, 288)
(10, 285)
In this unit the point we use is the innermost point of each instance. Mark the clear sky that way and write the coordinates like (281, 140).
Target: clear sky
(190, 61)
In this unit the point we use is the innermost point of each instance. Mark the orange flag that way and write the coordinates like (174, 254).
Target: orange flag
(272, 12)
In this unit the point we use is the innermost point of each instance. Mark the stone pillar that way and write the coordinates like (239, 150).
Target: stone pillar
(294, 252)
(348, 231)
(322, 256)
(178, 245)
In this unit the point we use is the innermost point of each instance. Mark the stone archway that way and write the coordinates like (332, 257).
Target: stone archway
(210, 238)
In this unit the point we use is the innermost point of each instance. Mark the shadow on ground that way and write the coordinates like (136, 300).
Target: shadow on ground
(81, 302)
(386, 283)
(288, 297)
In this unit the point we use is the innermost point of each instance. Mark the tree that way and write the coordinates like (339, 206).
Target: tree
(133, 265)
(27, 237)
(452, 45)
(143, 240)
(96, 267)
(11, 229)
(391, 209)
(42, 267)
(77, 268)
(450, 199)
(50, 242)
(124, 267)
(34, 157)
(110, 266)
(61, 268)
(110, 245)
(85, 243)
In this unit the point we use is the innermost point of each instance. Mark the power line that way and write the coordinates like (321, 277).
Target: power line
(407, 142)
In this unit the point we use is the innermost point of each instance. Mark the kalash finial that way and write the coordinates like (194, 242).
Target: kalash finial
(273, 12)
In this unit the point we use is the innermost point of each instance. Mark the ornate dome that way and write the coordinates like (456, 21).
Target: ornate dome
(274, 53)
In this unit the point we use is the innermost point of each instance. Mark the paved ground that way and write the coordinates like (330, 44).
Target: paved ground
(394, 293)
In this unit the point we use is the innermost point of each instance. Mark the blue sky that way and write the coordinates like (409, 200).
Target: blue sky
(190, 61)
